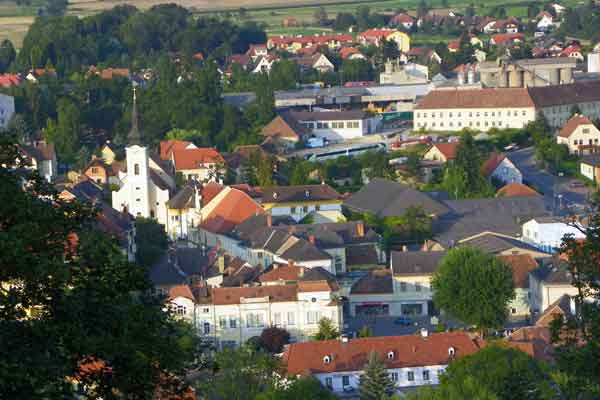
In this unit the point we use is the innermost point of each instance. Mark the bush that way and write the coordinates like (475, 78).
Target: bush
(273, 339)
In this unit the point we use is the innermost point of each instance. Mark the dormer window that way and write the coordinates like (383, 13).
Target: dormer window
(327, 359)
(390, 355)
(451, 351)
(307, 194)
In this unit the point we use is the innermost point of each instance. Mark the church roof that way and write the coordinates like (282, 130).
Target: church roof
(134, 136)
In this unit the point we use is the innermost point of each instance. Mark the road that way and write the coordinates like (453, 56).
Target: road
(557, 190)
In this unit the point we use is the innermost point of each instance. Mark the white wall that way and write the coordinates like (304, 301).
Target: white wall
(557, 116)
(507, 172)
(300, 211)
(7, 109)
(547, 236)
(481, 119)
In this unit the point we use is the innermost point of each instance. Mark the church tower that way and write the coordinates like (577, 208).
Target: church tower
(139, 202)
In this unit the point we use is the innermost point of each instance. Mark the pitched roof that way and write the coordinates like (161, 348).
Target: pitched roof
(181, 291)
(168, 146)
(234, 295)
(503, 39)
(415, 262)
(493, 244)
(377, 281)
(314, 286)
(522, 265)
(361, 255)
(184, 198)
(516, 190)
(41, 151)
(299, 193)
(377, 33)
(490, 165)
(573, 123)
(386, 198)
(476, 98)
(447, 149)
(561, 307)
(579, 92)
(408, 351)
(329, 115)
(556, 273)
(346, 52)
(196, 158)
(179, 265)
(234, 207)
(284, 126)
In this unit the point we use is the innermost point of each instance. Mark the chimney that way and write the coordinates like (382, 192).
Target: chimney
(269, 220)
(360, 229)
(424, 332)
(311, 239)
(221, 263)
(344, 338)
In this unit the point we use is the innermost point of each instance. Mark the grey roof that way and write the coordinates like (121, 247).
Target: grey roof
(299, 193)
(184, 198)
(180, 266)
(494, 244)
(386, 198)
(503, 215)
(579, 92)
(334, 234)
(361, 255)
(415, 262)
(329, 115)
(86, 191)
(555, 273)
(303, 250)
(591, 159)
(376, 282)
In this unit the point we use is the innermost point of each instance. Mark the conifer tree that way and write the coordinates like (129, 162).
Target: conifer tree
(375, 384)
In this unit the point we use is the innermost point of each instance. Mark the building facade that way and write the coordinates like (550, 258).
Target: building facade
(337, 126)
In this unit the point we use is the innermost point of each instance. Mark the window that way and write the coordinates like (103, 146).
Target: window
(318, 208)
(394, 376)
(355, 124)
(254, 320)
(349, 124)
(425, 375)
(259, 254)
(206, 328)
(136, 169)
(180, 310)
(232, 322)
(222, 322)
(205, 310)
(95, 169)
(293, 210)
(339, 266)
(450, 114)
(290, 318)
(411, 376)
(513, 310)
(277, 319)
(305, 209)
(417, 287)
(345, 380)
(313, 317)
(329, 382)
(403, 286)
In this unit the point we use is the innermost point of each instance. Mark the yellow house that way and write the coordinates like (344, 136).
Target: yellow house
(376, 37)
(402, 39)
(108, 153)
(580, 135)
(299, 201)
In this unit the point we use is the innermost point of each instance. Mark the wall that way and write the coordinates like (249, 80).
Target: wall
(299, 210)
(507, 172)
(583, 134)
(547, 236)
(557, 116)
(481, 119)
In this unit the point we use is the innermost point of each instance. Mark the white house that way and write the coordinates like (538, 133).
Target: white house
(337, 126)
(548, 284)
(7, 109)
(40, 156)
(580, 135)
(300, 200)
(547, 233)
(410, 361)
(545, 21)
(232, 315)
(146, 186)
(500, 167)
(263, 64)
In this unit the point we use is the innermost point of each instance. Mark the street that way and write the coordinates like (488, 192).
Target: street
(557, 191)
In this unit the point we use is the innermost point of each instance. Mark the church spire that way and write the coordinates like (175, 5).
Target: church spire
(134, 136)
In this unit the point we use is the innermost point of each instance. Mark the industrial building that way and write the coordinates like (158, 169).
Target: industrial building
(527, 73)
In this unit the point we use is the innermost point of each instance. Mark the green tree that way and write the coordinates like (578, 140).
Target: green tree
(327, 330)
(532, 10)
(69, 296)
(151, 241)
(577, 338)
(65, 133)
(321, 18)
(375, 382)
(343, 21)
(365, 332)
(7, 55)
(304, 388)
(265, 171)
(473, 287)
(455, 182)
(265, 100)
(56, 7)
(422, 9)
(363, 17)
(496, 372)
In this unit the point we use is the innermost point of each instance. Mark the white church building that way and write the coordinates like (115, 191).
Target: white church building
(145, 185)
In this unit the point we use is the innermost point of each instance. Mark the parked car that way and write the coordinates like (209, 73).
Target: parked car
(403, 321)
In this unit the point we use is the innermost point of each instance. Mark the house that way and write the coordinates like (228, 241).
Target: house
(393, 199)
(8, 80)
(108, 152)
(548, 284)
(547, 233)
(589, 166)
(403, 20)
(301, 200)
(499, 167)
(290, 22)
(521, 265)
(441, 152)
(232, 315)
(558, 8)
(7, 110)
(502, 245)
(184, 211)
(292, 44)
(201, 164)
(424, 55)
(102, 173)
(580, 135)
(516, 190)
(167, 147)
(480, 109)
(506, 39)
(573, 51)
(351, 53)
(40, 156)
(410, 361)
(453, 46)
(336, 126)
(257, 50)
(316, 61)
(263, 64)
(373, 294)
(398, 73)
(241, 154)
(378, 35)
(110, 73)
(285, 132)
(146, 185)
(545, 21)
(34, 75)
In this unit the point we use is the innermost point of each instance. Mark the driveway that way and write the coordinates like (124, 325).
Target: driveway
(558, 193)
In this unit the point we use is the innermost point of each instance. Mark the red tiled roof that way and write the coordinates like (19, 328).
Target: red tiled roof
(311, 40)
(210, 191)
(409, 351)
(490, 165)
(346, 52)
(180, 291)
(573, 123)
(503, 39)
(235, 207)
(402, 18)
(196, 158)
(447, 149)
(8, 80)
(233, 295)
(110, 73)
(377, 33)
(476, 98)
(516, 190)
(168, 146)
(316, 286)
(284, 273)
(454, 44)
(571, 49)
(522, 265)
